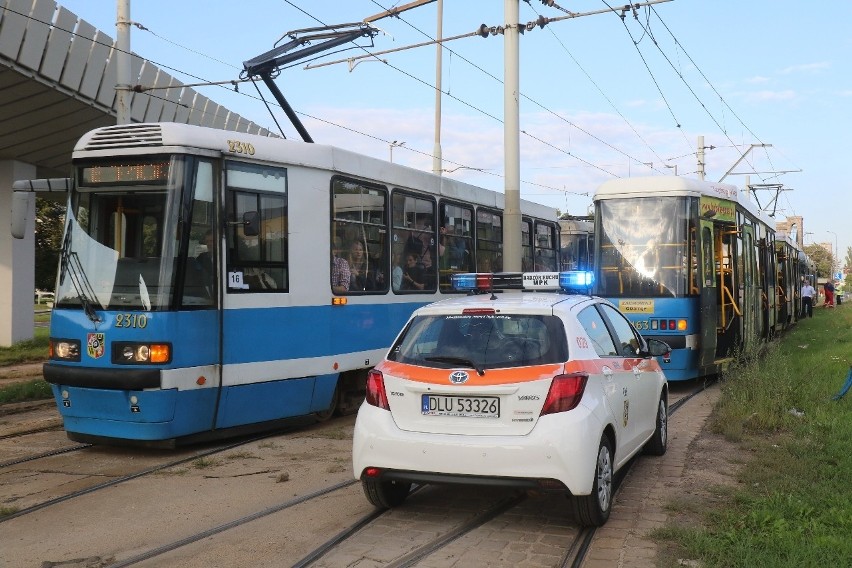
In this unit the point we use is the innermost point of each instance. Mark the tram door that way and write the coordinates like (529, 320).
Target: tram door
(750, 290)
(709, 294)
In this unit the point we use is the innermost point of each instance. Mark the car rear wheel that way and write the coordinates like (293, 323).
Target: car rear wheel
(658, 443)
(385, 494)
(594, 509)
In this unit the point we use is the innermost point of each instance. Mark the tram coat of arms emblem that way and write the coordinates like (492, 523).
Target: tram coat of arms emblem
(95, 345)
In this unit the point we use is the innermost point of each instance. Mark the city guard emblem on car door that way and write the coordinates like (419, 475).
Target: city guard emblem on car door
(458, 377)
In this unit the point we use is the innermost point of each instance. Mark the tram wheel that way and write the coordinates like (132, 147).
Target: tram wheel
(324, 415)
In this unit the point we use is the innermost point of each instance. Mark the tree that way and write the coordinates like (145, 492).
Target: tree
(823, 259)
(49, 222)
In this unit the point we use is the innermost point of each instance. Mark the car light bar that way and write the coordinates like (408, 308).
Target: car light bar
(569, 281)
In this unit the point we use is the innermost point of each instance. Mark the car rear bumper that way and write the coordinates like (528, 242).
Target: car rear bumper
(561, 447)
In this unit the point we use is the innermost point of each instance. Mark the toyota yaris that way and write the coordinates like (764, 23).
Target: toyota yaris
(534, 390)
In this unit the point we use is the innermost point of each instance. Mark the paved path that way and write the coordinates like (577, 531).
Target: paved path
(639, 508)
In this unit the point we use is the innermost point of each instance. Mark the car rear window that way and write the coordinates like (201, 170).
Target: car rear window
(483, 340)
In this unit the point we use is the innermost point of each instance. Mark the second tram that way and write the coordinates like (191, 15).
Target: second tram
(695, 264)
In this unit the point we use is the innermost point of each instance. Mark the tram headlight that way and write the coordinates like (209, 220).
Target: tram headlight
(141, 353)
(64, 349)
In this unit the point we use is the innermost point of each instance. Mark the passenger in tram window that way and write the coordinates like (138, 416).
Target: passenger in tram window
(340, 274)
(413, 275)
(396, 273)
(361, 278)
(421, 242)
(205, 259)
(453, 249)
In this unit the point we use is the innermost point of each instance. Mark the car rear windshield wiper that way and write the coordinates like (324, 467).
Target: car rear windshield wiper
(457, 361)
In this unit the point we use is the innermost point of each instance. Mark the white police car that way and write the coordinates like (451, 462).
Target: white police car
(545, 391)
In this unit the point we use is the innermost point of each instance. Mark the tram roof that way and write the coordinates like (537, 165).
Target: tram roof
(673, 186)
(168, 137)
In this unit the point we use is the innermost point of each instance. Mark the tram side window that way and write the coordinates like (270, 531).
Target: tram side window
(456, 242)
(545, 247)
(527, 252)
(413, 247)
(359, 262)
(199, 282)
(489, 241)
(257, 258)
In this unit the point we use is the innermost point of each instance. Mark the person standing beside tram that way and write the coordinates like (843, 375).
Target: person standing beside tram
(808, 297)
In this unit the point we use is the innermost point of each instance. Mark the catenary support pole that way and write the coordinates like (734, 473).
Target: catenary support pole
(122, 62)
(511, 140)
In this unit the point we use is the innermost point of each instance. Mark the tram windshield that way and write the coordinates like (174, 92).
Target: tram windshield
(645, 246)
(122, 238)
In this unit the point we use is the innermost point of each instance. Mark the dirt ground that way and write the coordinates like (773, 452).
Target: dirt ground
(711, 464)
(17, 373)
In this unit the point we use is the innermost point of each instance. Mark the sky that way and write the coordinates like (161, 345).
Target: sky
(600, 96)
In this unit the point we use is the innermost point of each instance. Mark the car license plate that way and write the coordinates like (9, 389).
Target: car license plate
(466, 406)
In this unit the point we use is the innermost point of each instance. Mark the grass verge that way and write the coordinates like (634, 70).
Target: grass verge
(793, 505)
(30, 351)
(35, 389)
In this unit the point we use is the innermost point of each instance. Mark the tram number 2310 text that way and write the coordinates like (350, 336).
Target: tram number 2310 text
(237, 147)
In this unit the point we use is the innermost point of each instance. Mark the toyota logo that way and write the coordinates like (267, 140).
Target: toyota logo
(458, 377)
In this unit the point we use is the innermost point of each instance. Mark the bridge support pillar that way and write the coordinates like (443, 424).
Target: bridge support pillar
(17, 262)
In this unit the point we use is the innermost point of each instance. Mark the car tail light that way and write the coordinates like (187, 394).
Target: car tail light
(376, 394)
(565, 393)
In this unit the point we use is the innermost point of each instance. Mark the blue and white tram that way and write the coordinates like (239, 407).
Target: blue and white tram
(689, 262)
(577, 241)
(213, 283)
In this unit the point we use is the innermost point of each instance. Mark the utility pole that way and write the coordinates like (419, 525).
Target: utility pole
(701, 158)
(511, 139)
(511, 119)
(122, 61)
(439, 51)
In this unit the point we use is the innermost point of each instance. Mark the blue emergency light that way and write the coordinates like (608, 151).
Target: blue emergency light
(574, 281)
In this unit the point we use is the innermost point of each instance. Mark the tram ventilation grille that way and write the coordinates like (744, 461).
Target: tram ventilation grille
(126, 136)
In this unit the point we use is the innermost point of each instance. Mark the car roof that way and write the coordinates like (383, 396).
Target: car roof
(510, 301)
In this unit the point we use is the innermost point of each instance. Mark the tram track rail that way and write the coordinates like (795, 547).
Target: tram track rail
(43, 455)
(129, 477)
(573, 556)
(574, 552)
(160, 550)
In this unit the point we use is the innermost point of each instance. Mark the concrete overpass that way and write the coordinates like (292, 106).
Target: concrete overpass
(57, 81)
